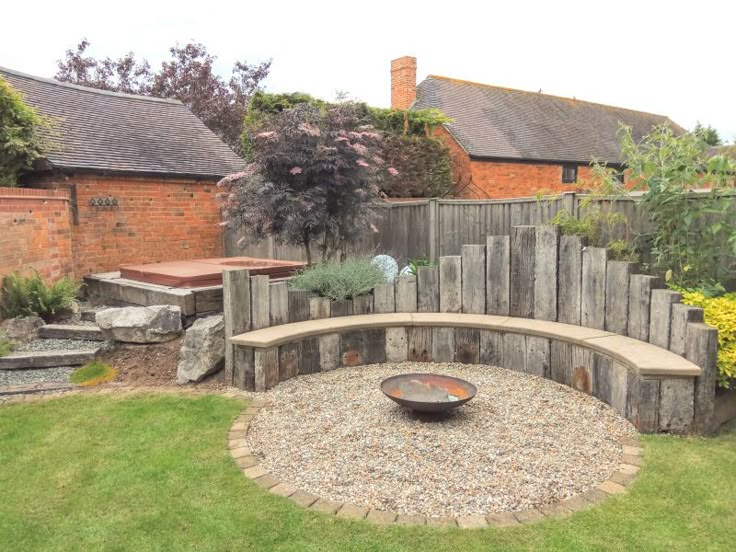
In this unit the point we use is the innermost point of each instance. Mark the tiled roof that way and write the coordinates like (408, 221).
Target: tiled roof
(495, 122)
(108, 131)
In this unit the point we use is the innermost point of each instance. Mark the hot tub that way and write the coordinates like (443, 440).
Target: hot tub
(205, 272)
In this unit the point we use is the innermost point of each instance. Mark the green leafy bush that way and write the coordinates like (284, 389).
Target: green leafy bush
(340, 280)
(598, 220)
(20, 137)
(93, 373)
(693, 234)
(31, 296)
(719, 312)
(570, 225)
(6, 345)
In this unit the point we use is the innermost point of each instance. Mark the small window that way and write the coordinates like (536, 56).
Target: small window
(569, 174)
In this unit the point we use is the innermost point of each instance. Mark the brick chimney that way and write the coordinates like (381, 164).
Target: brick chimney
(403, 82)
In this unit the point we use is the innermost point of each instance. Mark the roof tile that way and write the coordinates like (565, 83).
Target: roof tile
(495, 122)
(107, 131)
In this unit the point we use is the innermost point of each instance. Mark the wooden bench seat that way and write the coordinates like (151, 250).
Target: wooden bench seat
(644, 358)
(652, 387)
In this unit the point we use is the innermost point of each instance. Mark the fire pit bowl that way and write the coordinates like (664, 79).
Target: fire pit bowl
(428, 392)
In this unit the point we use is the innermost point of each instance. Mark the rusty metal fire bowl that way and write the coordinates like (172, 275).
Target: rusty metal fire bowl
(428, 392)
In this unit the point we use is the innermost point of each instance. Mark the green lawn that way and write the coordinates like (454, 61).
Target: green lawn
(151, 473)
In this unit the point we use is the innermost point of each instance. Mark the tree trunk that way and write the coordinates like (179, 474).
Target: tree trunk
(307, 247)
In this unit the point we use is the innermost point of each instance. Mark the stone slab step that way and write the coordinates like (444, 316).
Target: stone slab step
(31, 388)
(70, 331)
(47, 359)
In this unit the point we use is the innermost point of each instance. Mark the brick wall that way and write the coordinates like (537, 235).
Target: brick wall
(35, 232)
(155, 220)
(500, 180)
(403, 82)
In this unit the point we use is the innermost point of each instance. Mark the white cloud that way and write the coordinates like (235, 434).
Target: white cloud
(654, 56)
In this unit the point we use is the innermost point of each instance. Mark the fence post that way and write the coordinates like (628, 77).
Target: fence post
(618, 278)
(660, 316)
(568, 203)
(640, 300)
(546, 266)
(593, 289)
(498, 262)
(473, 258)
(701, 347)
(523, 260)
(432, 230)
(236, 311)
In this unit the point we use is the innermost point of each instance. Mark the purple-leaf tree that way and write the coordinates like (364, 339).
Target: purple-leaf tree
(188, 77)
(313, 181)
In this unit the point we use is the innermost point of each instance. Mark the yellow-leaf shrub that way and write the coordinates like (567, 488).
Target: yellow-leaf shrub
(719, 312)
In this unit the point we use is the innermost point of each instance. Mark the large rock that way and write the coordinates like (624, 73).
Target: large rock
(22, 329)
(141, 324)
(203, 350)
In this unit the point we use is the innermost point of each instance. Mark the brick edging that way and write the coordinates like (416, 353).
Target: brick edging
(616, 484)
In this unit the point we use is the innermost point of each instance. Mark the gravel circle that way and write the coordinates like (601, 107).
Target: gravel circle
(522, 442)
(9, 378)
(57, 345)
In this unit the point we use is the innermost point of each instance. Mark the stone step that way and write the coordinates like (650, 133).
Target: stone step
(70, 331)
(31, 388)
(47, 359)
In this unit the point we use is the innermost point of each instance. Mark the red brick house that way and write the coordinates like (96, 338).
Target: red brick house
(139, 174)
(511, 143)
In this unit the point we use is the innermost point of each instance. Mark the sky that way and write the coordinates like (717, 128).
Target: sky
(667, 57)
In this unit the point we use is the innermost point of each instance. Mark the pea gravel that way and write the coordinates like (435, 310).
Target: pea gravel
(522, 442)
(9, 378)
(57, 345)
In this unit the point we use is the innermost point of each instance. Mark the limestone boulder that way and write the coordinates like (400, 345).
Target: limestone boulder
(22, 329)
(203, 350)
(154, 324)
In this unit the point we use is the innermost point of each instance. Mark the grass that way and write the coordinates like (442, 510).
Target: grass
(151, 473)
(93, 373)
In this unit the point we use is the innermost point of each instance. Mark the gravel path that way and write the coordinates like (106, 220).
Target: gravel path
(57, 344)
(9, 378)
(521, 443)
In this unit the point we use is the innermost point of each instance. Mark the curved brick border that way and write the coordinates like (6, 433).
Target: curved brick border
(248, 463)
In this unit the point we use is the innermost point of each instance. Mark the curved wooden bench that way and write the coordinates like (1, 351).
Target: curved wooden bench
(652, 387)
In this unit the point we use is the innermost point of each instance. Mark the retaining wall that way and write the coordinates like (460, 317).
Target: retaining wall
(35, 232)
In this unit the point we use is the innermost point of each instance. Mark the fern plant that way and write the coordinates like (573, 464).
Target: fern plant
(30, 295)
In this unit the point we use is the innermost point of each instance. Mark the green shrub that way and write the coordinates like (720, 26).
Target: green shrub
(6, 345)
(572, 226)
(340, 280)
(20, 135)
(719, 312)
(31, 296)
(93, 373)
